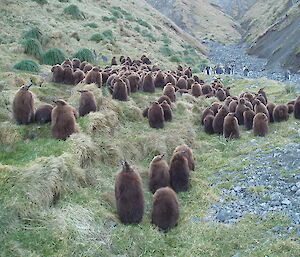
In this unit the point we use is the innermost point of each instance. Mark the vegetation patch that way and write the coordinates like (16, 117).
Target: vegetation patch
(33, 47)
(34, 33)
(96, 37)
(84, 54)
(53, 56)
(143, 23)
(41, 2)
(74, 12)
(27, 65)
(92, 25)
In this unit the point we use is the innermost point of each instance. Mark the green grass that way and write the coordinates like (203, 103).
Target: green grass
(82, 169)
(96, 37)
(84, 54)
(41, 2)
(33, 47)
(34, 33)
(92, 25)
(27, 65)
(25, 151)
(74, 12)
(53, 56)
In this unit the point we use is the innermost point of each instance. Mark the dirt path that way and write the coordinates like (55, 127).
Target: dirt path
(235, 55)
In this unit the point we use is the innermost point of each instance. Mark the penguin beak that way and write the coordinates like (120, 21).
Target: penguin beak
(54, 101)
(28, 86)
(162, 156)
(80, 91)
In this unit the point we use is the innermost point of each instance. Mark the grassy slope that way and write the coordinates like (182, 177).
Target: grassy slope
(19, 17)
(36, 170)
(208, 22)
(261, 16)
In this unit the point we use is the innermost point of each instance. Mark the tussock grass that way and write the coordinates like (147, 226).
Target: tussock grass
(84, 54)
(74, 12)
(53, 56)
(33, 47)
(27, 65)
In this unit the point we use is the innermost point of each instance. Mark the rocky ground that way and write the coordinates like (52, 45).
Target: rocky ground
(269, 184)
(235, 55)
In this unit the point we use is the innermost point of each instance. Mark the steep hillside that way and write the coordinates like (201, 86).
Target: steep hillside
(200, 18)
(272, 30)
(109, 27)
(234, 8)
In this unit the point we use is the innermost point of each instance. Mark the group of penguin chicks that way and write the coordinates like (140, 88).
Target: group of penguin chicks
(249, 109)
(164, 183)
(62, 117)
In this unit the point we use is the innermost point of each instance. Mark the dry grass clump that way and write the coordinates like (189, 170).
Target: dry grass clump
(84, 149)
(8, 133)
(100, 123)
(40, 185)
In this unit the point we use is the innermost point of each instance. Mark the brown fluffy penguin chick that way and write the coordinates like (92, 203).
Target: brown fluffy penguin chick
(169, 91)
(206, 111)
(43, 113)
(148, 83)
(94, 76)
(297, 108)
(231, 127)
(145, 112)
(159, 80)
(23, 105)
(219, 120)
(63, 123)
(159, 175)
(179, 172)
(68, 75)
(58, 73)
(165, 208)
(206, 89)
(291, 108)
(263, 93)
(188, 153)
(87, 68)
(260, 107)
(281, 113)
(78, 76)
(248, 118)
(76, 64)
(208, 124)
(260, 124)
(120, 90)
(270, 108)
(196, 90)
(156, 115)
(87, 102)
(240, 108)
(215, 107)
(261, 98)
(221, 95)
(134, 81)
(164, 98)
(182, 83)
(170, 79)
(167, 111)
(232, 106)
(114, 61)
(129, 195)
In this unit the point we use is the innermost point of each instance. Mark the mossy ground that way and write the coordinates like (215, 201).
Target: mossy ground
(81, 170)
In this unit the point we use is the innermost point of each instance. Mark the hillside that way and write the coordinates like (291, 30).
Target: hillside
(200, 18)
(235, 8)
(57, 197)
(128, 27)
(268, 25)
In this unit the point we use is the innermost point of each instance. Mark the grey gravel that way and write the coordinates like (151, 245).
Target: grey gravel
(235, 55)
(267, 185)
